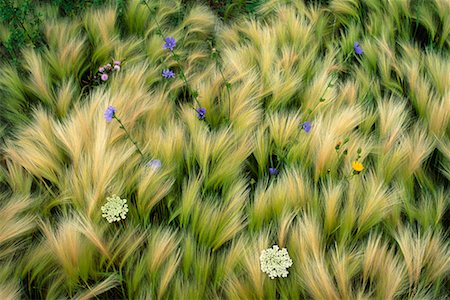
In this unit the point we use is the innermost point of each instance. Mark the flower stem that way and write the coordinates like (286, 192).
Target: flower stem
(174, 55)
(218, 59)
(227, 84)
(128, 135)
(183, 76)
(321, 99)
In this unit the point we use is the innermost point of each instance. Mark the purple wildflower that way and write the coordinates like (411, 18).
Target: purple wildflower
(306, 126)
(167, 73)
(116, 68)
(170, 43)
(357, 48)
(273, 171)
(110, 113)
(201, 113)
(154, 164)
(104, 77)
(117, 62)
(101, 69)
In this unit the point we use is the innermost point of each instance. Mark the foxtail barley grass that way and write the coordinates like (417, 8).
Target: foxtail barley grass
(338, 152)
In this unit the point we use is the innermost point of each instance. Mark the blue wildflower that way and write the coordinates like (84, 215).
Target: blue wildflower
(109, 113)
(357, 48)
(170, 43)
(273, 171)
(201, 113)
(154, 164)
(167, 73)
(306, 126)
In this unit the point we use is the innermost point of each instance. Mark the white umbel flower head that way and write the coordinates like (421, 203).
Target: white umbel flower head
(115, 209)
(275, 262)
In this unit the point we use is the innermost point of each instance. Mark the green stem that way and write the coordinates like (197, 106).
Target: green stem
(321, 99)
(128, 135)
(348, 56)
(174, 55)
(158, 30)
(183, 76)
(217, 58)
(121, 284)
(227, 84)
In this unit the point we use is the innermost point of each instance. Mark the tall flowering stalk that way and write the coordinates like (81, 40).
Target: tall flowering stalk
(357, 166)
(307, 125)
(170, 44)
(321, 99)
(110, 114)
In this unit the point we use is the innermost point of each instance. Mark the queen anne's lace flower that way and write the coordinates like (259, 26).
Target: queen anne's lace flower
(115, 209)
(275, 262)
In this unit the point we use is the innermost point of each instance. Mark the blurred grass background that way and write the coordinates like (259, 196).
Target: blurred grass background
(195, 229)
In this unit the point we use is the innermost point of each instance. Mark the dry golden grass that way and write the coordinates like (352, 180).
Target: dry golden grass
(197, 225)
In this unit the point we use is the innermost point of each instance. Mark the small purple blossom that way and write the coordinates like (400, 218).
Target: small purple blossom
(110, 113)
(117, 62)
(167, 73)
(357, 48)
(170, 43)
(101, 69)
(201, 113)
(273, 171)
(306, 126)
(104, 77)
(116, 68)
(154, 164)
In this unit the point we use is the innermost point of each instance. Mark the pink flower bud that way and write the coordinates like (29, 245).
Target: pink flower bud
(104, 77)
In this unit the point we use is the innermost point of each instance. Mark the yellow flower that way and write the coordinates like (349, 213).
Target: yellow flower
(357, 166)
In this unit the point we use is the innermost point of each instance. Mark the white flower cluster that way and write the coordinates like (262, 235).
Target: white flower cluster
(115, 209)
(275, 262)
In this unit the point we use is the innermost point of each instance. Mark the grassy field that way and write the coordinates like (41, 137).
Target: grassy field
(155, 149)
